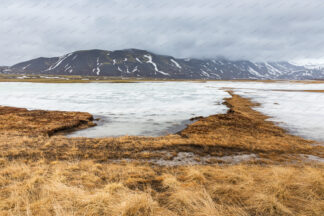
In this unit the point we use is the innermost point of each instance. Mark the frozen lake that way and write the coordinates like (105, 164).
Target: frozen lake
(301, 113)
(125, 109)
(159, 108)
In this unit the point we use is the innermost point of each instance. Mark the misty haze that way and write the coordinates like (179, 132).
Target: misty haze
(161, 108)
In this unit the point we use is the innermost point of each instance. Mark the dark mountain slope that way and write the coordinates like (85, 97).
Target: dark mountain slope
(141, 63)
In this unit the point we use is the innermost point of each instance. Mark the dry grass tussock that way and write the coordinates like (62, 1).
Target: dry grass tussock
(45, 174)
(89, 188)
(21, 121)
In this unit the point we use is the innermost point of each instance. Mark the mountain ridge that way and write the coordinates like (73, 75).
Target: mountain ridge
(141, 63)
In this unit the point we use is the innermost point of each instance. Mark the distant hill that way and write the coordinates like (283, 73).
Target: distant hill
(141, 63)
(3, 69)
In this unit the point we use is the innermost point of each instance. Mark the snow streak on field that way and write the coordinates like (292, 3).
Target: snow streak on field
(161, 107)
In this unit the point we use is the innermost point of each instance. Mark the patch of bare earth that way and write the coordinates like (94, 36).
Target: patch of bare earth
(230, 164)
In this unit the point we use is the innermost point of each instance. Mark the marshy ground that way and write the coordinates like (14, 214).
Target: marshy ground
(228, 164)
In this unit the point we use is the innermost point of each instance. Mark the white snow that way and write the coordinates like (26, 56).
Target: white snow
(59, 61)
(254, 72)
(133, 109)
(301, 113)
(67, 67)
(176, 63)
(164, 73)
(139, 60)
(22, 77)
(309, 63)
(216, 75)
(204, 73)
(272, 70)
(114, 61)
(135, 69)
(74, 57)
(97, 69)
(154, 108)
(149, 57)
(24, 68)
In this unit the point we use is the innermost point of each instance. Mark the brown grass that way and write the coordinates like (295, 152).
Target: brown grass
(280, 90)
(38, 78)
(38, 122)
(316, 91)
(45, 174)
(89, 188)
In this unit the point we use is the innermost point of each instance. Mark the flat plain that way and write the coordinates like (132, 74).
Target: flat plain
(237, 163)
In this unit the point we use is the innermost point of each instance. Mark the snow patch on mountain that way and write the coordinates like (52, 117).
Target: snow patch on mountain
(309, 63)
(127, 62)
(149, 57)
(254, 72)
(135, 69)
(176, 63)
(24, 68)
(61, 59)
(272, 70)
(68, 68)
(204, 73)
(97, 69)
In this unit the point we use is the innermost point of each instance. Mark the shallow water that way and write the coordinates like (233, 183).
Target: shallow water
(158, 108)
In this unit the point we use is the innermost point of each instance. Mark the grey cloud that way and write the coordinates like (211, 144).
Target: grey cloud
(246, 29)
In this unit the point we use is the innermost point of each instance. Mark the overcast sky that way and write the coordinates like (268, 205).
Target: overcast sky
(256, 30)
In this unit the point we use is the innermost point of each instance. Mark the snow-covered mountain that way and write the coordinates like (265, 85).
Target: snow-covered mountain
(141, 63)
(3, 69)
(310, 63)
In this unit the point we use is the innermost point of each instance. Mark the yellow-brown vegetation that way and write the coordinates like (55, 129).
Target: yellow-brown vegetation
(42, 173)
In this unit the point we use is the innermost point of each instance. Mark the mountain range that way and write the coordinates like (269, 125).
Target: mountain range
(144, 64)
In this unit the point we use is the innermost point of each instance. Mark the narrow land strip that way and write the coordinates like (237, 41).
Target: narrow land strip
(241, 131)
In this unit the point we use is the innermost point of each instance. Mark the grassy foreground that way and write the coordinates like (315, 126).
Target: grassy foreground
(42, 173)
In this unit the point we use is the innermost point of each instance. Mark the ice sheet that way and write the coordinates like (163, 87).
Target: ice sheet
(160, 107)
(125, 108)
(301, 113)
